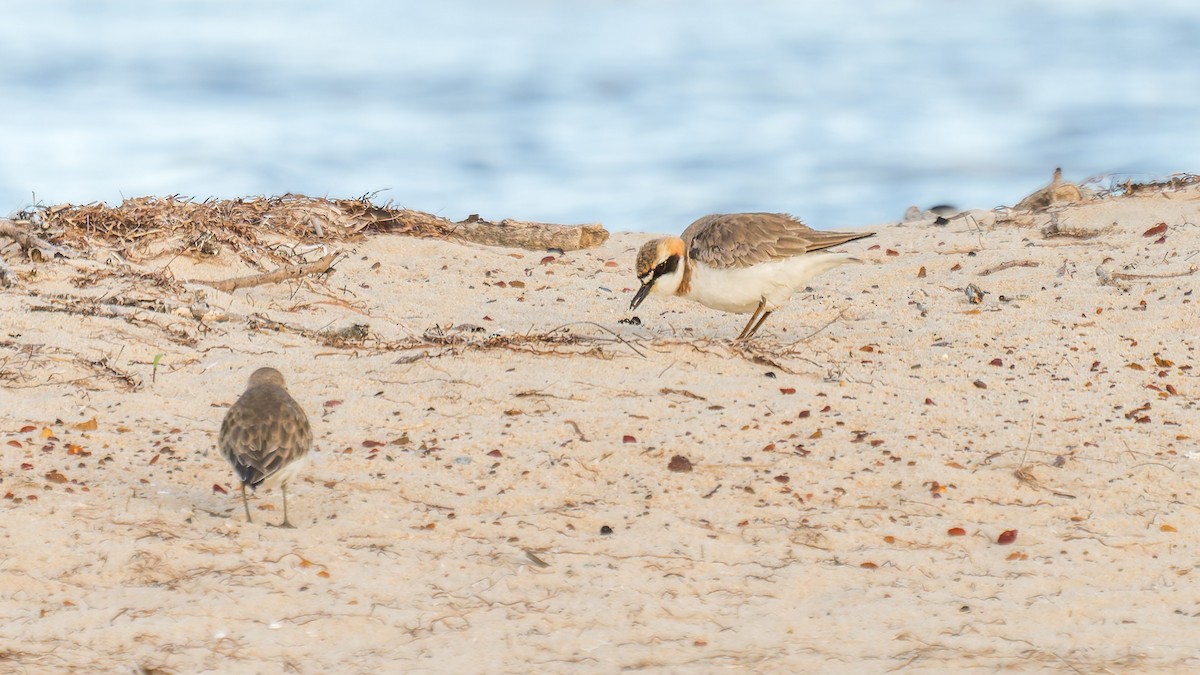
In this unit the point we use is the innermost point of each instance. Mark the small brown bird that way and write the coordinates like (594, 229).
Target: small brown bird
(265, 436)
(745, 263)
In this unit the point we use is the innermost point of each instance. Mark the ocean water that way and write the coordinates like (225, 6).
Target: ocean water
(640, 114)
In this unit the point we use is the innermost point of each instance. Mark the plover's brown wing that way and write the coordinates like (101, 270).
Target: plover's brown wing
(263, 432)
(727, 240)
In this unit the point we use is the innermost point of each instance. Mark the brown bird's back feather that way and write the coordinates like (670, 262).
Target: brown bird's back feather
(743, 239)
(264, 432)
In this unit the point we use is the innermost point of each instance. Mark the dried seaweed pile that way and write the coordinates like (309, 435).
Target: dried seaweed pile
(147, 226)
(1058, 194)
(1172, 183)
(1059, 191)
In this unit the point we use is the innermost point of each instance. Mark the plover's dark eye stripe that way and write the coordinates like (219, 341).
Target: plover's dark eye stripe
(666, 267)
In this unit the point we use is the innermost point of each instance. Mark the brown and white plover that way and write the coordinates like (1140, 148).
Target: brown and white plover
(266, 436)
(745, 263)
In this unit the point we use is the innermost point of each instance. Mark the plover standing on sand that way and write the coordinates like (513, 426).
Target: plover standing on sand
(739, 262)
(265, 436)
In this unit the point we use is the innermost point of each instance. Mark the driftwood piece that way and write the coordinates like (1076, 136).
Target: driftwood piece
(513, 233)
(281, 274)
(29, 244)
(529, 235)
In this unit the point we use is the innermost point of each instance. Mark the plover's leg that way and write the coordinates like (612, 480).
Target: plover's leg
(761, 319)
(246, 504)
(286, 523)
(746, 332)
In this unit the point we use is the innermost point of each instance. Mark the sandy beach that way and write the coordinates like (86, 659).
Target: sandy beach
(509, 478)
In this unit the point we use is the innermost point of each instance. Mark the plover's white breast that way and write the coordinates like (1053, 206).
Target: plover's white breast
(740, 289)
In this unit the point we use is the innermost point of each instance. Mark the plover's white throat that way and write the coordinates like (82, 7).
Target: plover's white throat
(745, 263)
(265, 436)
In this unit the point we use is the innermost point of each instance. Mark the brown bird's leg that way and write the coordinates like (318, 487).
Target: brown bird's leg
(246, 504)
(746, 332)
(761, 319)
(285, 522)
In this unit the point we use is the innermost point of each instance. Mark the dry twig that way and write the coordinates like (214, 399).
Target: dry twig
(1110, 278)
(282, 274)
(1125, 276)
(1007, 265)
(1026, 477)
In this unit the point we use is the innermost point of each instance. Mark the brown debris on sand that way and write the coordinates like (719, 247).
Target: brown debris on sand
(1057, 192)
(145, 227)
(31, 245)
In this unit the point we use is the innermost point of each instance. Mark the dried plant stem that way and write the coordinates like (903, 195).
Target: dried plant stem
(1124, 276)
(608, 330)
(123, 313)
(1008, 265)
(282, 274)
(1110, 278)
(813, 334)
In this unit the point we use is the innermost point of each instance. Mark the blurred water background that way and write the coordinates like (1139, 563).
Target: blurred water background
(640, 114)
